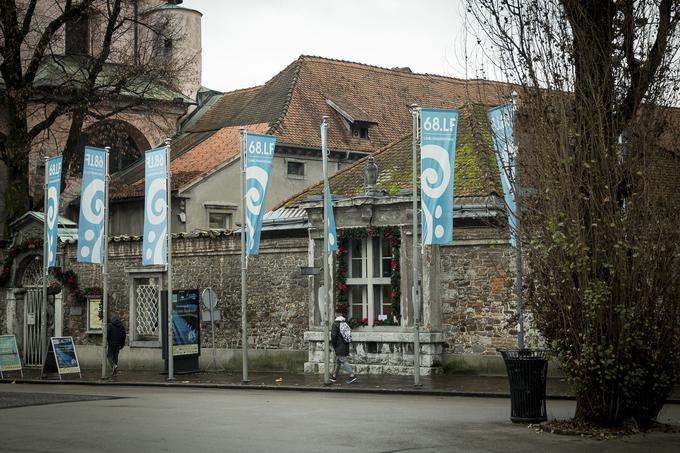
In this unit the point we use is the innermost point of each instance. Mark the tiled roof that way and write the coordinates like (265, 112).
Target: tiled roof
(261, 104)
(293, 102)
(476, 172)
(198, 161)
(383, 95)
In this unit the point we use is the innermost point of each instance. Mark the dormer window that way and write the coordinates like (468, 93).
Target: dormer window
(359, 130)
(356, 119)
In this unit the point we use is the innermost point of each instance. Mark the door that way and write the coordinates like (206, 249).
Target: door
(34, 343)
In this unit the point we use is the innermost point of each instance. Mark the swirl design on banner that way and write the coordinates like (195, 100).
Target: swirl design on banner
(92, 210)
(254, 198)
(52, 214)
(435, 180)
(156, 214)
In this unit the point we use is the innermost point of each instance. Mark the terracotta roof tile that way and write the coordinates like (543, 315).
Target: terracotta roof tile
(204, 157)
(293, 102)
(476, 173)
(383, 95)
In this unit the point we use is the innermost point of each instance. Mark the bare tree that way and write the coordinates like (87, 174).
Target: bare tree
(600, 222)
(67, 64)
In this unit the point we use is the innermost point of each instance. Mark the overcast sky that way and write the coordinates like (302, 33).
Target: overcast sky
(246, 42)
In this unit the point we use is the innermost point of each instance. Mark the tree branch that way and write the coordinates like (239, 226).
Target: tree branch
(28, 17)
(70, 12)
(639, 85)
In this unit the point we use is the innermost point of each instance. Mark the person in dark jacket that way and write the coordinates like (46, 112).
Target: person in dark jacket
(341, 338)
(115, 339)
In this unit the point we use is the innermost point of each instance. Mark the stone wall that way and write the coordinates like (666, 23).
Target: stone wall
(478, 302)
(277, 293)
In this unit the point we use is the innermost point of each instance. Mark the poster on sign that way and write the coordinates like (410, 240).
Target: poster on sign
(61, 357)
(9, 355)
(186, 329)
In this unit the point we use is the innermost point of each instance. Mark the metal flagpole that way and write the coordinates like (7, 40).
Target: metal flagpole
(326, 271)
(244, 260)
(168, 213)
(105, 264)
(415, 294)
(43, 310)
(520, 265)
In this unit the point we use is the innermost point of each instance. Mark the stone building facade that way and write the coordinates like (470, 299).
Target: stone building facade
(277, 296)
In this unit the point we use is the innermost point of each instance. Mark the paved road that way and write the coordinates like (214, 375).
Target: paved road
(65, 418)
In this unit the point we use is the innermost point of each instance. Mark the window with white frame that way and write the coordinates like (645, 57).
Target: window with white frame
(368, 281)
(219, 220)
(219, 215)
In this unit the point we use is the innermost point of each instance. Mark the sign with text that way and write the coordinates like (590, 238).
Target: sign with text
(9, 354)
(94, 307)
(52, 212)
(438, 155)
(154, 247)
(91, 222)
(64, 355)
(185, 322)
(503, 140)
(259, 152)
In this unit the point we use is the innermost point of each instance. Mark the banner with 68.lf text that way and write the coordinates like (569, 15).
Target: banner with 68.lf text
(437, 157)
(259, 157)
(52, 212)
(503, 140)
(154, 244)
(91, 221)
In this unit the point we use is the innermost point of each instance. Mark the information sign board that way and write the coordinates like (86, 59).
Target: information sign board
(9, 354)
(61, 357)
(185, 323)
(94, 322)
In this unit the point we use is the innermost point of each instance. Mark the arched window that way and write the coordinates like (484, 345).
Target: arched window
(126, 141)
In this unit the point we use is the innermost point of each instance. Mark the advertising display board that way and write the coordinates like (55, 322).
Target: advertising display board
(186, 330)
(94, 322)
(185, 322)
(61, 357)
(9, 355)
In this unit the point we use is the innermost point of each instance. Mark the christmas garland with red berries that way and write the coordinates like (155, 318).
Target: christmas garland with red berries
(393, 235)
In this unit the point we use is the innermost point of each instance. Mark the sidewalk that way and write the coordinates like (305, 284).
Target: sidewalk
(444, 385)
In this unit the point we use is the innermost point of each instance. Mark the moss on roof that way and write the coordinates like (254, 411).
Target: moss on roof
(476, 173)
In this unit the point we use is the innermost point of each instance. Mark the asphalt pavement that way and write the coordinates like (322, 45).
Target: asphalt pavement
(444, 385)
(112, 418)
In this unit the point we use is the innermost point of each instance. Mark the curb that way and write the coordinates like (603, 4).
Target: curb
(288, 388)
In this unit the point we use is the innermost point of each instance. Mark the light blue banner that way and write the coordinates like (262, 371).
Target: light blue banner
(503, 140)
(259, 156)
(437, 156)
(52, 212)
(154, 244)
(332, 234)
(91, 223)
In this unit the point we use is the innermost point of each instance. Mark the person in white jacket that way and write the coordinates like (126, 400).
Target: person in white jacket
(341, 338)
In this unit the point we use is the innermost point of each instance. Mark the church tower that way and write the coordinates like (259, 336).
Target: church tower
(182, 45)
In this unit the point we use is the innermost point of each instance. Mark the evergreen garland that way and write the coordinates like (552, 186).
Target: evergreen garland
(393, 235)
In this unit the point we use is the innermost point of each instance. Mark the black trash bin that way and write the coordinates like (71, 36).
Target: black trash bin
(527, 373)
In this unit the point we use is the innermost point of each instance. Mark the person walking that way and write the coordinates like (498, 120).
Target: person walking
(115, 340)
(341, 338)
